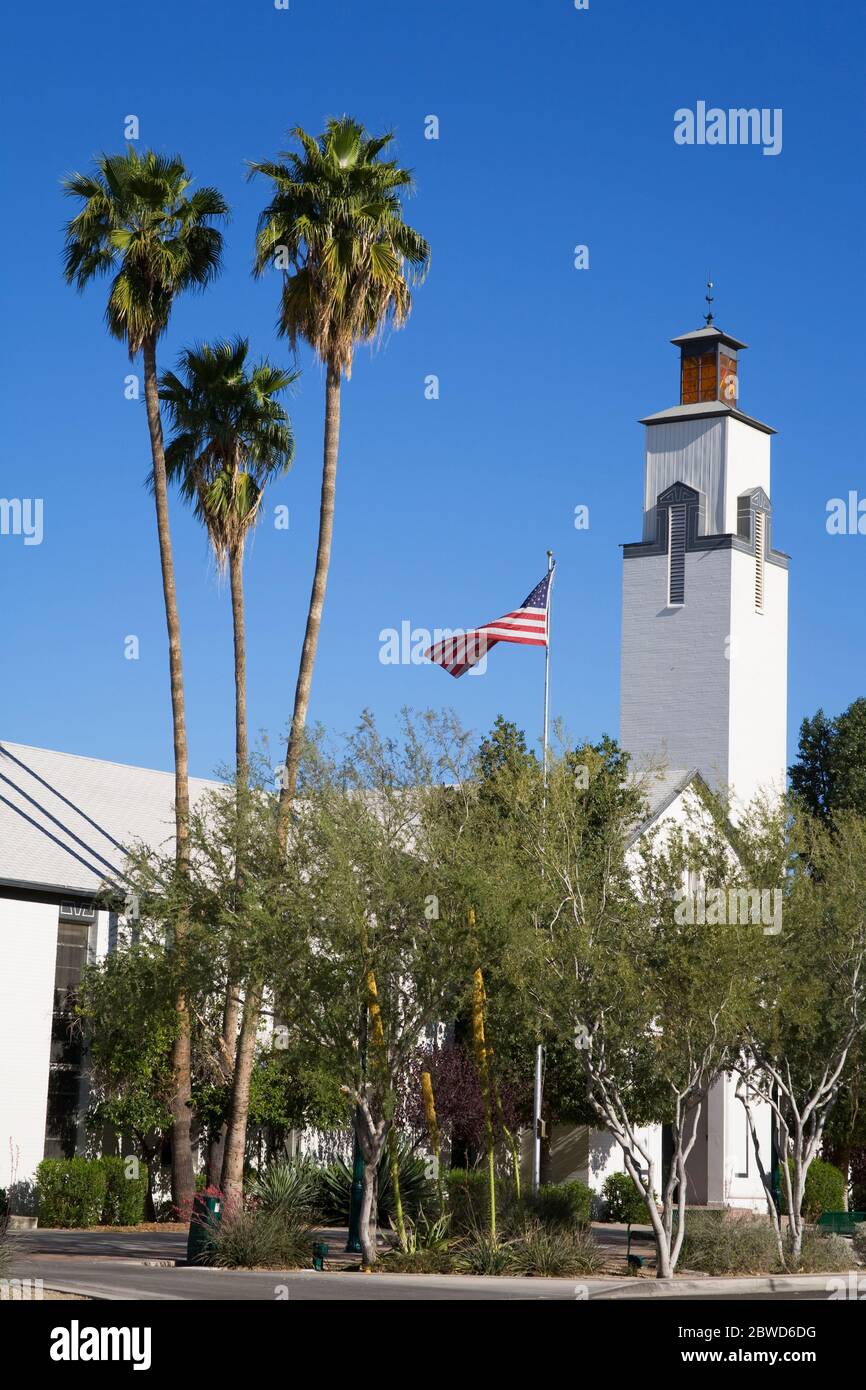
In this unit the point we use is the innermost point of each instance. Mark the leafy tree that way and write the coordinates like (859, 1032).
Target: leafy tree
(140, 224)
(830, 772)
(653, 1005)
(390, 941)
(810, 1005)
(125, 1008)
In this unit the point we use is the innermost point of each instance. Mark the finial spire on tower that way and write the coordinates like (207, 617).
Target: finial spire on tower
(709, 298)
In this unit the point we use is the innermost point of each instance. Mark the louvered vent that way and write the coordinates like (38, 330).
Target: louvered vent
(677, 554)
(744, 517)
(759, 561)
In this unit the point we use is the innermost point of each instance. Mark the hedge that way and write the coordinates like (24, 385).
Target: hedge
(71, 1191)
(75, 1192)
(125, 1195)
(560, 1204)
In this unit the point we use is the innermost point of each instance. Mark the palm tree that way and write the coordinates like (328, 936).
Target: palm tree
(335, 226)
(231, 437)
(140, 224)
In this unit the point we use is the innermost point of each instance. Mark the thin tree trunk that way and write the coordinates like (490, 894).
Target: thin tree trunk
(317, 599)
(236, 1138)
(229, 1041)
(182, 1173)
(240, 1099)
(367, 1224)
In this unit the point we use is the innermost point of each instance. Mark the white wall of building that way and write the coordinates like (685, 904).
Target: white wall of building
(28, 953)
(758, 695)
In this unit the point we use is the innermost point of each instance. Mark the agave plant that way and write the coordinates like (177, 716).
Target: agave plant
(291, 1189)
(416, 1189)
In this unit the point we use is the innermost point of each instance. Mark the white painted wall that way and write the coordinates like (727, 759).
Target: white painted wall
(28, 952)
(747, 466)
(758, 680)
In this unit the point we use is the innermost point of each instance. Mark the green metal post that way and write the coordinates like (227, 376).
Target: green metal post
(353, 1244)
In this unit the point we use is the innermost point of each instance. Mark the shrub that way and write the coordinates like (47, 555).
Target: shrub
(717, 1243)
(555, 1251)
(479, 1252)
(823, 1254)
(416, 1190)
(427, 1233)
(292, 1188)
(125, 1196)
(469, 1199)
(623, 1201)
(250, 1239)
(71, 1191)
(860, 1240)
(428, 1261)
(560, 1204)
(824, 1191)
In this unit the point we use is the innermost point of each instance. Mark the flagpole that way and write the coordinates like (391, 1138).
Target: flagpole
(537, 1089)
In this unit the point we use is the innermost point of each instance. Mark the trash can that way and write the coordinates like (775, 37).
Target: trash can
(206, 1216)
(320, 1251)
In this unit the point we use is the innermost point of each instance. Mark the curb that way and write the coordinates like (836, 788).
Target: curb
(677, 1287)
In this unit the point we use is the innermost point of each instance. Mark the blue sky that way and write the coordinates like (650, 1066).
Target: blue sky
(556, 128)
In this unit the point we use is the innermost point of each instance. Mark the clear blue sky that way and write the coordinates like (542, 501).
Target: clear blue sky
(556, 129)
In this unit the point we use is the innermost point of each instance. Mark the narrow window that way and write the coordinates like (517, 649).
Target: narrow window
(677, 554)
(759, 562)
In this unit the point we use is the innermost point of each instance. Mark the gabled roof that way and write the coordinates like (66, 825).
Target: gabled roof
(664, 788)
(65, 820)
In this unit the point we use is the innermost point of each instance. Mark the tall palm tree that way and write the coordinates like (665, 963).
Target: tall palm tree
(335, 226)
(140, 224)
(231, 438)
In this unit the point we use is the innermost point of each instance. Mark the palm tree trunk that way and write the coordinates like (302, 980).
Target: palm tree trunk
(230, 1039)
(182, 1174)
(317, 599)
(236, 576)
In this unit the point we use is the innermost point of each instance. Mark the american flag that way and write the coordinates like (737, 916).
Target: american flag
(527, 625)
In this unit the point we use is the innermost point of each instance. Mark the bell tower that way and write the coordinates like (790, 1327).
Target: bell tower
(705, 593)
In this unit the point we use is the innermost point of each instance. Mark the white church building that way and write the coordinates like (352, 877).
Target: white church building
(704, 656)
(703, 683)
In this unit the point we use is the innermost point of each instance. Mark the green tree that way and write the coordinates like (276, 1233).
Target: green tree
(653, 1005)
(830, 772)
(231, 438)
(809, 1015)
(335, 227)
(390, 944)
(140, 224)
